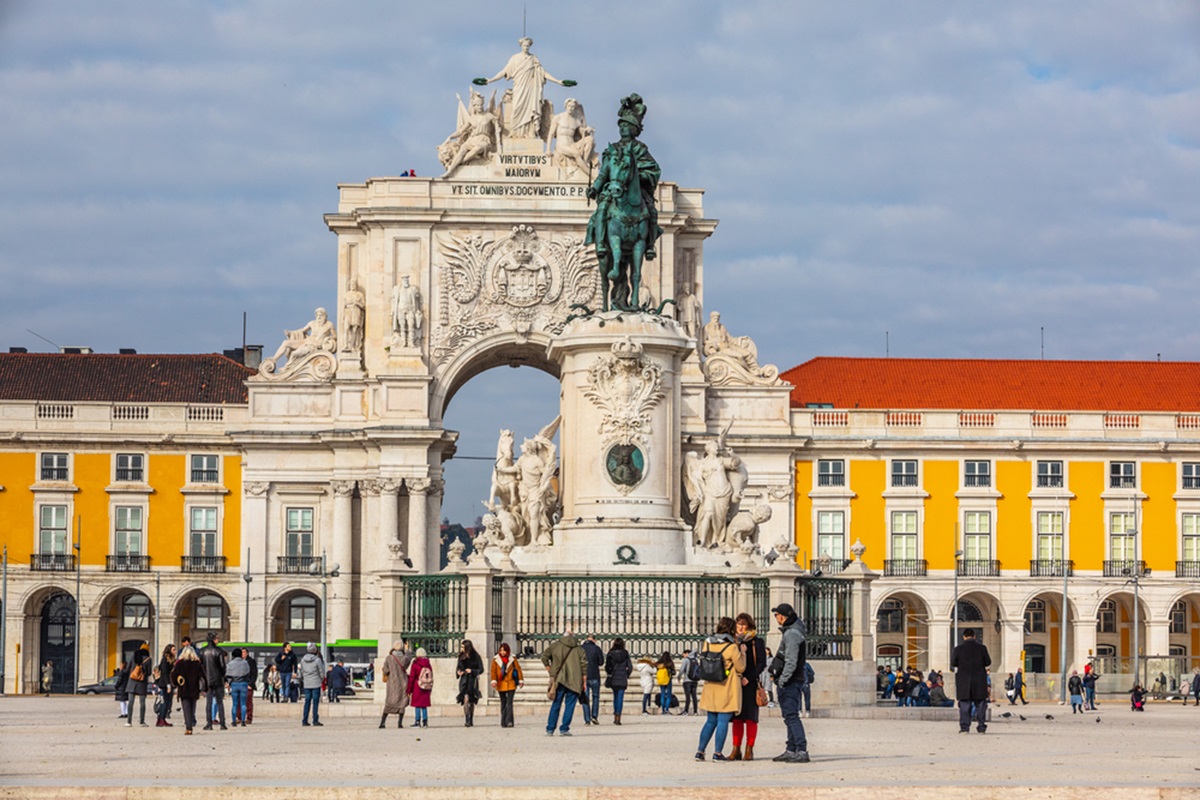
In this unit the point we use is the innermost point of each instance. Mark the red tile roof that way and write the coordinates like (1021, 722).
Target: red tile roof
(108, 378)
(999, 385)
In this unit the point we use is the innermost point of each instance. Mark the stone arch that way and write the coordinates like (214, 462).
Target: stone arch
(1114, 630)
(189, 621)
(33, 599)
(906, 627)
(1041, 630)
(117, 636)
(294, 605)
(497, 350)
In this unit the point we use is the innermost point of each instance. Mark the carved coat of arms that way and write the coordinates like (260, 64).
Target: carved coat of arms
(625, 386)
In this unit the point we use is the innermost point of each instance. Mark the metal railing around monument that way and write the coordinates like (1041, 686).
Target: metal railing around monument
(434, 609)
(824, 605)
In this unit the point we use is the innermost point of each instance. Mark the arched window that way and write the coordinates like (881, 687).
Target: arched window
(891, 617)
(1179, 615)
(135, 611)
(969, 612)
(1035, 617)
(302, 613)
(210, 612)
(1106, 618)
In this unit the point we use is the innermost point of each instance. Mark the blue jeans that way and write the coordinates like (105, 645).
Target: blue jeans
(718, 723)
(422, 714)
(286, 689)
(238, 692)
(1089, 697)
(618, 700)
(593, 688)
(571, 698)
(664, 698)
(806, 695)
(789, 704)
(312, 699)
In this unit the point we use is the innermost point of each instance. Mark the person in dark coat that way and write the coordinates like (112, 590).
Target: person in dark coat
(469, 668)
(595, 662)
(214, 659)
(339, 679)
(142, 665)
(618, 667)
(165, 665)
(746, 720)
(120, 693)
(187, 676)
(970, 661)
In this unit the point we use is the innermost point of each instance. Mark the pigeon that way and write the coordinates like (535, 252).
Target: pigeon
(1049, 716)
(1006, 714)
(636, 519)
(579, 520)
(1097, 719)
(1021, 717)
(599, 519)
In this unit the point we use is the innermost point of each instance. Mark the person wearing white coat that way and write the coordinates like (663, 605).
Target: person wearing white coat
(646, 673)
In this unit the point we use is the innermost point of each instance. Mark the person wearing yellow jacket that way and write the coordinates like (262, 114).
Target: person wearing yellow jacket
(720, 700)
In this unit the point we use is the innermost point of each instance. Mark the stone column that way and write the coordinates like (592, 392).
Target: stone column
(479, 606)
(1085, 642)
(1158, 637)
(1011, 645)
(418, 523)
(88, 668)
(939, 633)
(341, 588)
(781, 588)
(862, 647)
(255, 536)
(389, 515)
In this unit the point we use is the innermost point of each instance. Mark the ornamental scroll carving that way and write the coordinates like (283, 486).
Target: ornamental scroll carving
(625, 386)
(520, 282)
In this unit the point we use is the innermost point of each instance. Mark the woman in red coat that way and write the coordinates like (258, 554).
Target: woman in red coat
(420, 687)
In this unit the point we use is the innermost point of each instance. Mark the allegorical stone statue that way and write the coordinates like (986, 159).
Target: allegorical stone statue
(624, 226)
(529, 111)
(732, 360)
(477, 134)
(714, 485)
(407, 318)
(353, 305)
(744, 526)
(529, 484)
(574, 142)
(309, 351)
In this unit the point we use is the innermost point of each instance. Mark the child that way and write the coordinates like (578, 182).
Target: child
(1137, 698)
(646, 675)
(664, 672)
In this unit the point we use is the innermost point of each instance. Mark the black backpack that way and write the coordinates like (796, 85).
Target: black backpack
(712, 666)
(692, 670)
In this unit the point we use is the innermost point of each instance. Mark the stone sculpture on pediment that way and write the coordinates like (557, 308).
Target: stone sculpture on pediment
(354, 305)
(519, 282)
(528, 112)
(625, 386)
(309, 351)
(475, 137)
(714, 484)
(530, 481)
(733, 361)
(574, 142)
(407, 317)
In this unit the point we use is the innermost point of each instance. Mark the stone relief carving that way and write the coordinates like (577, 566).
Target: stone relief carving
(525, 502)
(476, 136)
(369, 487)
(780, 491)
(407, 317)
(730, 361)
(354, 304)
(256, 488)
(574, 142)
(519, 282)
(714, 484)
(388, 486)
(342, 488)
(744, 527)
(625, 386)
(527, 110)
(309, 351)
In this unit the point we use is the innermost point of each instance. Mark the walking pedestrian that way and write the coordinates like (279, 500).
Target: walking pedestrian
(1075, 689)
(720, 698)
(1090, 676)
(595, 662)
(310, 673)
(395, 683)
(618, 668)
(689, 677)
(567, 664)
(506, 677)
(339, 679)
(420, 687)
(746, 720)
(187, 676)
(139, 679)
(970, 661)
(214, 659)
(119, 690)
(788, 671)
(237, 676)
(664, 673)
(646, 676)
(250, 686)
(47, 677)
(286, 663)
(165, 665)
(468, 670)
(1195, 688)
(1019, 687)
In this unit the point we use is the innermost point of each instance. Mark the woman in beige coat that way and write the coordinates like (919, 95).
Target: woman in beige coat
(395, 678)
(721, 699)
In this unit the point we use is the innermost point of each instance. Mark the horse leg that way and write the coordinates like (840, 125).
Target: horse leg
(635, 271)
(604, 283)
(614, 247)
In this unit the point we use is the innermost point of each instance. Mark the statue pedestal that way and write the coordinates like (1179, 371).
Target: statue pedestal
(620, 443)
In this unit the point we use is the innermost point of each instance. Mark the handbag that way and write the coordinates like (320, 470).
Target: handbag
(760, 696)
(608, 682)
(137, 673)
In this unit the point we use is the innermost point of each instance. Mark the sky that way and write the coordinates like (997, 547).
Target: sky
(942, 179)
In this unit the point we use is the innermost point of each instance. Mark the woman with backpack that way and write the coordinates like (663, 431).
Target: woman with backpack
(663, 675)
(420, 687)
(722, 661)
(756, 664)
(618, 667)
(468, 670)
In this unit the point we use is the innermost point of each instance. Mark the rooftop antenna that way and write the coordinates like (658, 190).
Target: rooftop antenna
(1043, 329)
(887, 344)
(524, 18)
(44, 339)
(243, 337)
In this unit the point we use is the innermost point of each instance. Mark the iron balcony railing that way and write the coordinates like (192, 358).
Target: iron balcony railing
(977, 481)
(904, 480)
(832, 479)
(52, 562)
(1050, 481)
(129, 474)
(824, 605)
(833, 567)
(905, 568)
(55, 473)
(1125, 568)
(1050, 568)
(209, 564)
(205, 475)
(1191, 481)
(434, 613)
(1187, 569)
(296, 565)
(978, 567)
(127, 563)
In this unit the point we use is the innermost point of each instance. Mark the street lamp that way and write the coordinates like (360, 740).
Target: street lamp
(248, 578)
(1062, 633)
(317, 568)
(957, 556)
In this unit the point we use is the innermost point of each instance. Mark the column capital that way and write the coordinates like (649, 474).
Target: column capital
(342, 488)
(369, 487)
(389, 486)
(419, 486)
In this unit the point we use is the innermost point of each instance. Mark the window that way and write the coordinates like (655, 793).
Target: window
(831, 538)
(205, 469)
(1050, 536)
(977, 473)
(831, 473)
(129, 531)
(52, 532)
(1122, 537)
(1106, 651)
(890, 617)
(210, 612)
(130, 467)
(1049, 474)
(302, 613)
(54, 467)
(1179, 617)
(1035, 617)
(977, 536)
(1191, 476)
(1191, 537)
(299, 531)
(1106, 618)
(904, 473)
(1122, 475)
(135, 611)
(904, 535)
(202, 539)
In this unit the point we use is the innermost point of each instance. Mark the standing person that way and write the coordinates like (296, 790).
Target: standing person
(890, 677)
(1195, 689)
(250, 687)
(664, 673)
(646, 674)
(469, 668)
(420, 687)
(285, 662)
(970, 661)
(119, 690)
(237, 675)
(339, 679)
(1075, 689)
(789, 679)
(506, 677)
(1019, 687)
(139, 678)
(165, 665)
(268, 679)
(595, 662)
(618, 667)
(806, 689)
(311, 672)
(689, 672)
(187, 675)
(720, 699)
(746, 720)
(395, 682)
(214, 659)
(276, 685)
(1090, 676)
(47, 677)
(567, 664)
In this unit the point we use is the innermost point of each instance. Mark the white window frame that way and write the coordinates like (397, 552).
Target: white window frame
(43, 529)
(915, 534)
(836, 478)
(295, 527)
(1050, 475)
(220, 614)
(972, 476)
(306, 624)
(139, 458)
(829, 533)
(142, 621)
(192, 530)
(977, 529)
(1119, 525)
(1127, 482)
(123, 529)
(201, 459)
(1189, 475)
(1044, 534)
(1189, 536)
(53, 460)
(893, 473)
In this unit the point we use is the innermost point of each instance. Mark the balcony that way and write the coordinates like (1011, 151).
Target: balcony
(205, 476)
(129, 474)
(209, 564)
(52, 562)
(127, 563)
(977, 481)
(1191, 482)
(832, 479)
(1050, 481)
(978, 568)
(832, 567)
(904, 480)
(1050, 568)
(1187, 569)
(1125, 569)
(56, 473)
(905, 568)
(297, 565)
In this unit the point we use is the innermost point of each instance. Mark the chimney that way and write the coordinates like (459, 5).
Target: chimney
(127, 351)
(18, 350)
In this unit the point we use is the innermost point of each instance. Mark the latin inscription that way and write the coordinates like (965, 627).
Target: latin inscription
(522, 190)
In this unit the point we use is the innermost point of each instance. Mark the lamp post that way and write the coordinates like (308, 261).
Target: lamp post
(78, 584)
(957, 556)
(317, 568)
(3, 616)
(248, 578)
(1062, 632)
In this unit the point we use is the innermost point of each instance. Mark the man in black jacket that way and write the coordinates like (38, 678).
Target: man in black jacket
(595, 662)
(970, 661)
(213, 659)
(253, 679)
(286, 663)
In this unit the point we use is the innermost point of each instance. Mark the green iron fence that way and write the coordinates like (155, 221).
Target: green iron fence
(435, 613)
(824, 605)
